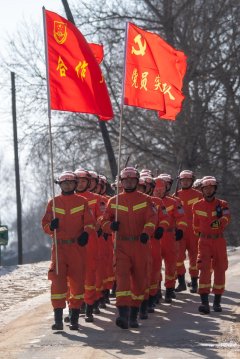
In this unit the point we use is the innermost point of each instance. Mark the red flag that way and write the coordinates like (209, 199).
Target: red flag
(97, 50)
(154, 73)
(76, 82)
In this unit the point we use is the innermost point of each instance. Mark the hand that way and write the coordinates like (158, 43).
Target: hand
(215, 224)
(105, 236)
(178, 234)
(83, 239)
(115, 226)
(54, 224)
(158, 233)
(144, 237)
(99, 232)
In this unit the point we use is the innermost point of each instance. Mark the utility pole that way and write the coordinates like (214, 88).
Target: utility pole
(102, 124)
(17, 176)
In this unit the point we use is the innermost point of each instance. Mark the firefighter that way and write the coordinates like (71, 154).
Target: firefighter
(135, 223)
(197, 184)
(69, 217)
(210, 218)
(171, 236)
(189, 242)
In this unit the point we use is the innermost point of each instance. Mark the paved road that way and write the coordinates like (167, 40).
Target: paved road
(173, 331)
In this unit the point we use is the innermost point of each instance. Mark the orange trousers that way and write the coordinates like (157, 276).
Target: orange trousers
(169, 255)
(189, 243)
(71, 271)
(132, 265)
(155, 263)
(212, 259)
(91, 269)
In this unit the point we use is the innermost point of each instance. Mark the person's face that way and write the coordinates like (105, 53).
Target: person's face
(186, 183)
(129, 183)
(98, 189)
(82, 184)
(208, 192)
(93, 184)
(159, 191)
(67, 186)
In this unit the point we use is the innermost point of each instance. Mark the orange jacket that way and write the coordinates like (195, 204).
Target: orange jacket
(94, 202)
(176, 212)
(74, 217)
(204, 213)
(163, 217)
(188, 197)
(136, 214)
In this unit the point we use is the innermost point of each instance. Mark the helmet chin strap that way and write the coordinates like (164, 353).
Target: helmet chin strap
(67, 193)
(130, 189)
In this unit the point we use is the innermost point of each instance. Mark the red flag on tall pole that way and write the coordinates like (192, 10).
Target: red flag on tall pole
(76, 82)
(154, 73)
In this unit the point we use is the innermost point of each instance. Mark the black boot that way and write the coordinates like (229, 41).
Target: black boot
(182, 284)
(169, 295)
(96, 309)
(133, 323)
(194, 285)
(158, 296)
(122, 319)
(67, 318)
(216, 303)
(89, 313)
(204, 307)
(102, 303)
(83, 308)
(106, 294)
(143, 313)
(74, 319)
(151, 303)
(58, 318)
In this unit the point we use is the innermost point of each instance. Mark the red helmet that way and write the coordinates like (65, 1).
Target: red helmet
(197, 183)
(148, 179)
(66, 176)
(103, 179)
(146, 172)
(186, 174)
(129, 172)
(142, 181)
(166, 177)
(81, 173)
(94, 175)
(208, 181)
(160, 182)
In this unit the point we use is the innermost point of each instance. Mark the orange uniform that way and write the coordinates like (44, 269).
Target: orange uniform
(189, 241)
(136, 214)
(212, 253)
(169, 246)
(74, 218)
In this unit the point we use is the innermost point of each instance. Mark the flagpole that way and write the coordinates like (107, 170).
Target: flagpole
(120, 131)
(50, 135)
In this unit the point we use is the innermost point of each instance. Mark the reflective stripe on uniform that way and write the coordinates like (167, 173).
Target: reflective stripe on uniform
(182, 223)
(59, 296)
(59, 210)
(169, 277)
(216, 286)
(193, 200)
(139, 206)
(89, 226)
(125, 293)
(89, 287)
(149, 224)
(201, 286)
(164, 222)
(77, 296)
(201, 213)
(93, 201)
(169, 208)
(119, 207)
(138, 297)
(77, 209)
(154, 286)
(179, 264)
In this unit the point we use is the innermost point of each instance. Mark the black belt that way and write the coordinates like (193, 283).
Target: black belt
(170, 230)
(128, 238)
(210, 236)
(66, 241)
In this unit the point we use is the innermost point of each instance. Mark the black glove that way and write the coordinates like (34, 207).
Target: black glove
(178, 234)
(215, 224)
(158, 233)
(115, 226)
(83, 239)
(54, 224)
(99, 232)
(105, 236)
(144, 237)
(219, 211)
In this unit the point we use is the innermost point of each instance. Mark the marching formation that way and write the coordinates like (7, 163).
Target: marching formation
(117, 244)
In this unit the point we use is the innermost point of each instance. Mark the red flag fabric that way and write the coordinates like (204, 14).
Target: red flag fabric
(76, 82)
(154, 73)
(97, 50)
